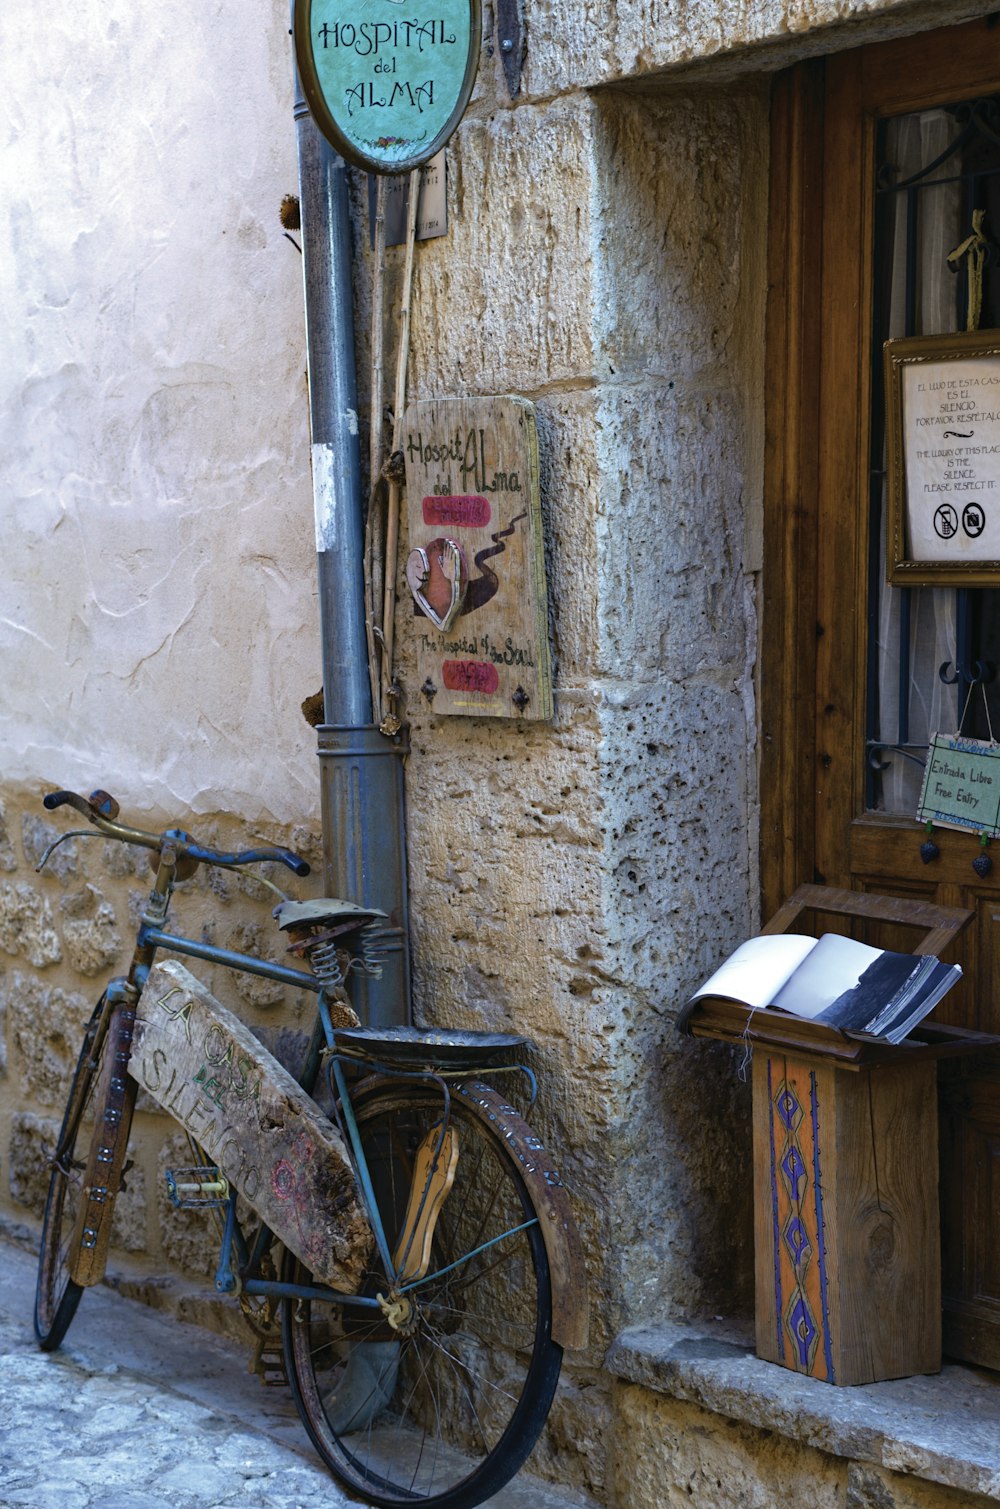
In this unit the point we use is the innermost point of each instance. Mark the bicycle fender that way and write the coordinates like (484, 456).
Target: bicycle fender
(563, 1248)
(567, 1269)
(102, 1180)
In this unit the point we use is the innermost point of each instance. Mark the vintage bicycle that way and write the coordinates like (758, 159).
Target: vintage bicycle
(414, 1246)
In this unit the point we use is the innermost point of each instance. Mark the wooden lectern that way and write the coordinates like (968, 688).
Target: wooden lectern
(845, 1167)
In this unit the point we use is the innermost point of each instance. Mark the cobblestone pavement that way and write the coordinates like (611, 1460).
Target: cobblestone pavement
(138, 1410)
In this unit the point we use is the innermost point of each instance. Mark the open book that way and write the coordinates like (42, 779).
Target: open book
(835, 980)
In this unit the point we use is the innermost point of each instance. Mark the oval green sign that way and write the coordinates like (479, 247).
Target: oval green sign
(387, 81)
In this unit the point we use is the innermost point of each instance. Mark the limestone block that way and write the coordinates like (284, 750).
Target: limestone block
(32, 1139)
(31, 1143)
(874, 1488)
(36, 835)
(253, 938)
(679, 181)
(668, 1454)
(510, 854)
(683, 1132)
(123, 860)
(670, 533)
(571, 480)
(8, 857)
(45, 1025)
(676, 766)
(573, 1449)
(188, 1238)
(638, 39)
(503, 303)
(90, 932)
(26, 928)
(136, 903)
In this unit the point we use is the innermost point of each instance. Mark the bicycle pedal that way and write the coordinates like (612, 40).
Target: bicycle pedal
(268, 1362)
(191, 1188)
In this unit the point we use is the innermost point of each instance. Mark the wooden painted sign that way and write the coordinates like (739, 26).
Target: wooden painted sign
(387, 81)
(252, 1120)
(476, 569)
(961, 787)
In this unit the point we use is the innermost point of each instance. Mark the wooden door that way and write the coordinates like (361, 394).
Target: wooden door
(850, 688)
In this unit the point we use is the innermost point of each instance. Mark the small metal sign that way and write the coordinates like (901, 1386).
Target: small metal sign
(387, 81)
(432, 204)
(962, 785)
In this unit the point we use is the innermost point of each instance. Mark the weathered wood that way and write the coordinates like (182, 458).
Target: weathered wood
(253, 1121)
(941, 924)
(788, 614)
(817, 507)
(728, 1021)
(472, 479)
(845, 1209)
(113, 1101)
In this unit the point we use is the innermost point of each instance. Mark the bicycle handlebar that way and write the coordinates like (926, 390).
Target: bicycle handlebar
(102, 810)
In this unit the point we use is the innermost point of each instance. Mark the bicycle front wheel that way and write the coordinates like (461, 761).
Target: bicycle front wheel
(91, 1095)
(440, 1401)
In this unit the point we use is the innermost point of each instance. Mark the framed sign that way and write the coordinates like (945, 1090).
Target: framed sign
(943, 459)
(387, 81)
(961, 787)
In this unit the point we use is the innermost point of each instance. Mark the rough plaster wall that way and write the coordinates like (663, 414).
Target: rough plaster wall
(157, 627)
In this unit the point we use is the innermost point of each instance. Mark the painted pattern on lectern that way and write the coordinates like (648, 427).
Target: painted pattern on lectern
(800, 1287)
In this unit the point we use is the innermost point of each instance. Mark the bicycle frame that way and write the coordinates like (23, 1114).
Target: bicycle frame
(422, 1261)
(569, 1309)
(152, 937)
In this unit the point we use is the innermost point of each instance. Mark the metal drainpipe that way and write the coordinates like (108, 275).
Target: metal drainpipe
(361, 771)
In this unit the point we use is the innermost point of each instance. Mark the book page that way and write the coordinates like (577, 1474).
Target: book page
(758, 969)
(835, 965)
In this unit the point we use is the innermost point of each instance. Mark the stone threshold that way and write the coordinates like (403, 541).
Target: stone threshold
(944, 1428)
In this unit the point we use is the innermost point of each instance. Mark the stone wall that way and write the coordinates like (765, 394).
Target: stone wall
(608, 248)
(63, 935)
(672, 1454)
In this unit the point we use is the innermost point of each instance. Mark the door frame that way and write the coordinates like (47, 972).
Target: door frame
(816, 523)
(823, 120)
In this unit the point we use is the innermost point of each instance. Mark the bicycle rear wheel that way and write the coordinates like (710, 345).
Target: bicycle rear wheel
(443, 1405)
(98, 1099)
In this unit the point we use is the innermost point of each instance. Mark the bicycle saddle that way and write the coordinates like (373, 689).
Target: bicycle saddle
(327, 911)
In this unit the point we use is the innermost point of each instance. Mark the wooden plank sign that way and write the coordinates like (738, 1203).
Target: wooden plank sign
(253, 1121)
(476, 567)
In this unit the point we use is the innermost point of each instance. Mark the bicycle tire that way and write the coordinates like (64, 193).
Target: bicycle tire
(447, 1413)
(98, 1100)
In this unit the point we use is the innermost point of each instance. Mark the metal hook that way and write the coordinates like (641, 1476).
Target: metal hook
(982, 672)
